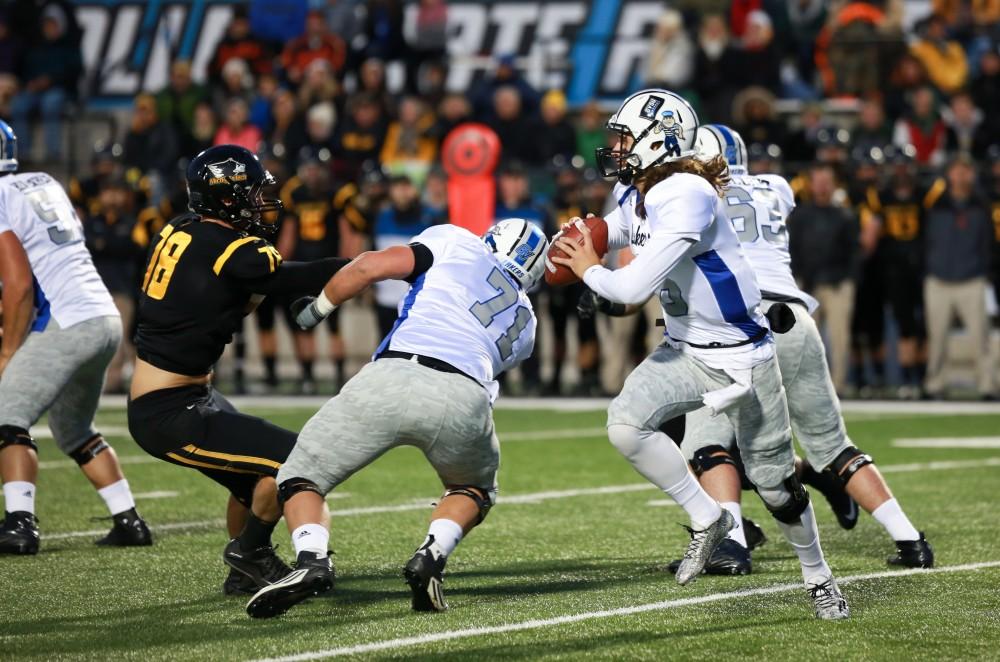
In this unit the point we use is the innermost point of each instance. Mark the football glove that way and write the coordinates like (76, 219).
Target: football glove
(591, 303)
(307, 316)
(780, 317)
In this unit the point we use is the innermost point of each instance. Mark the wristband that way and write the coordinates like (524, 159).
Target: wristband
(323, 305)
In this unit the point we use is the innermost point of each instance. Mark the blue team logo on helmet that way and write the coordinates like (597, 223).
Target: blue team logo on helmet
(8, 148)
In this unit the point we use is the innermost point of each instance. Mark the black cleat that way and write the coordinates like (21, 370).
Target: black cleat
(313, 575)
(754, 534)
(423, 572)
(261, 565)
(238, 584)
(729, 558)
(128, 530)
(843, 506)
(913, 553)
(19, 533)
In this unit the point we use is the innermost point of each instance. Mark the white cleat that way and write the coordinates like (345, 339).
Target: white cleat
(702, 544)
(828, 601)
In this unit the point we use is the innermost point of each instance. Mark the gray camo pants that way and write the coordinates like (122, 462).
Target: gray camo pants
(395, 402)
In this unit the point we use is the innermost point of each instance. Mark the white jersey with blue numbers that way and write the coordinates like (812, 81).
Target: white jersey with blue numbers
(68, 288)
(464, 310)
(710, 298)
(758, 206)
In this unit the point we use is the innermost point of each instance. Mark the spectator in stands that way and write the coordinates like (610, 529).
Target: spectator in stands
(260, 105)
(316, 43)
(51, 72)
(512, 126)
(800, 147)
(985, 87)
(409, 147)
(966, 130)
(825, 253)
(806, 19)
(318, 84)
(237, 83)
(944, 58)
(236, 128)
(360, 136)
(204, 126)
(430, 39)
(756, 118)
(908, 75)
(239, 43)
(670, 60)
(405, 217)
(371, 81)
(848, 48)
(345, 18)
(505, 75)
(958, 238)
(432, 81)
(12, 47)
(85, 192)
(715, 61)
(759, 62)
(590, 132)
(108, 235)
(176, 102)
(453, 110)
(872, 130)
(150, 146)
(320, 128)
(923, 128)
(435, 196)
(287, 126)
(554, 134)
(384, 29)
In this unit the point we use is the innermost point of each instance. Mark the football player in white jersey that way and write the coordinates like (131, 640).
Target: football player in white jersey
(717, 352)
(758, 207)
(60, 331)
(431, 384)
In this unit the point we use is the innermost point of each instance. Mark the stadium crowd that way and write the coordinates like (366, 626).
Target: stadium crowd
(892, 150)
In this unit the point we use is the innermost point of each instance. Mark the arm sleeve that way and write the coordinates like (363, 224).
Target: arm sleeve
(423, 259)
(299, 277)
(618, 230)
(643, 276)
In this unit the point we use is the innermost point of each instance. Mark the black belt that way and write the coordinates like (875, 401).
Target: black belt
(426, 361)
(754, 339)
(782, 298)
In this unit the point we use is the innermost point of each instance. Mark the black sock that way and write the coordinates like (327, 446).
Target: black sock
(256, 534)
(307, 370)
(271, 368)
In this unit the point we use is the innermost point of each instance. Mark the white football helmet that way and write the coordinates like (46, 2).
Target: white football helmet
(8, 148)
(718, 139)
(520, 248)
(663, 127)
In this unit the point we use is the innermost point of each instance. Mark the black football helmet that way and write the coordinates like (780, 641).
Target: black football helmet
(227, 182)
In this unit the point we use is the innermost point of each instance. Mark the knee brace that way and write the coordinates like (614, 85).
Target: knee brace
(89, 450)
(483, 497)
(710, 457)
(11, 435)
(847, 464)
(787, 502)
(292, 486)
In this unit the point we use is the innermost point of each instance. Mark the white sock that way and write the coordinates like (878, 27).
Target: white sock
(19, 495)
(895, 521)
(803, 536)
(736, 534)
(447, 533)
(117, 497)
(701, 508)
(311, 538)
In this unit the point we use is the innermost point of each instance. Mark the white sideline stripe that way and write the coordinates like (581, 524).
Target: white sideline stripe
(596, 404)
(122, 459)
(535, 624)
(109, 430)
(162, 494)
(545, 435)
(661, 502)
(534, 497)
(948, 442)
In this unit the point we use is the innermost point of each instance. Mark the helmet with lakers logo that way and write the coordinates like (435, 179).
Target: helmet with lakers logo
(661, 126)
(519, 246)
(226, 182)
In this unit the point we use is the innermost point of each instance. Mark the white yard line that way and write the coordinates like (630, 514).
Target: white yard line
(43, 432)
(545, 435)
(535, 497)
(535, 624)
(162, 494)
(122, 459)
(948, 442)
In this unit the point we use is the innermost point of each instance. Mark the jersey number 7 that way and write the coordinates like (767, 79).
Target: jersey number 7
(486, 312)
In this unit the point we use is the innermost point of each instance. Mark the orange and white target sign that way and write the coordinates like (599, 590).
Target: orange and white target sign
(470, 154)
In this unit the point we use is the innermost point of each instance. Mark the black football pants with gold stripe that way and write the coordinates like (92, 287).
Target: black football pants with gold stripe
(194, 426)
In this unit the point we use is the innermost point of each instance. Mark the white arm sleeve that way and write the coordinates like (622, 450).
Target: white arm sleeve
(643, 276)
(618, 230)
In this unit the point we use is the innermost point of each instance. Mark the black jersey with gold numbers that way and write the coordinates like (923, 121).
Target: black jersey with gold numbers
(199, 280)
(316, 222)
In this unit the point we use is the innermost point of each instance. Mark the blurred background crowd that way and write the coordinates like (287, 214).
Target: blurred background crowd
(885, 125)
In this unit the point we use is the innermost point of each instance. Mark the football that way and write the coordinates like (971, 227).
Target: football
(560, 275)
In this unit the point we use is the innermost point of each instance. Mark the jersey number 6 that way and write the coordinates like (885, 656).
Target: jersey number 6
(486, 312)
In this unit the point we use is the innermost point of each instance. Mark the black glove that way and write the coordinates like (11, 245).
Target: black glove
(591, 302)
(780, 317)
(306, 315)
